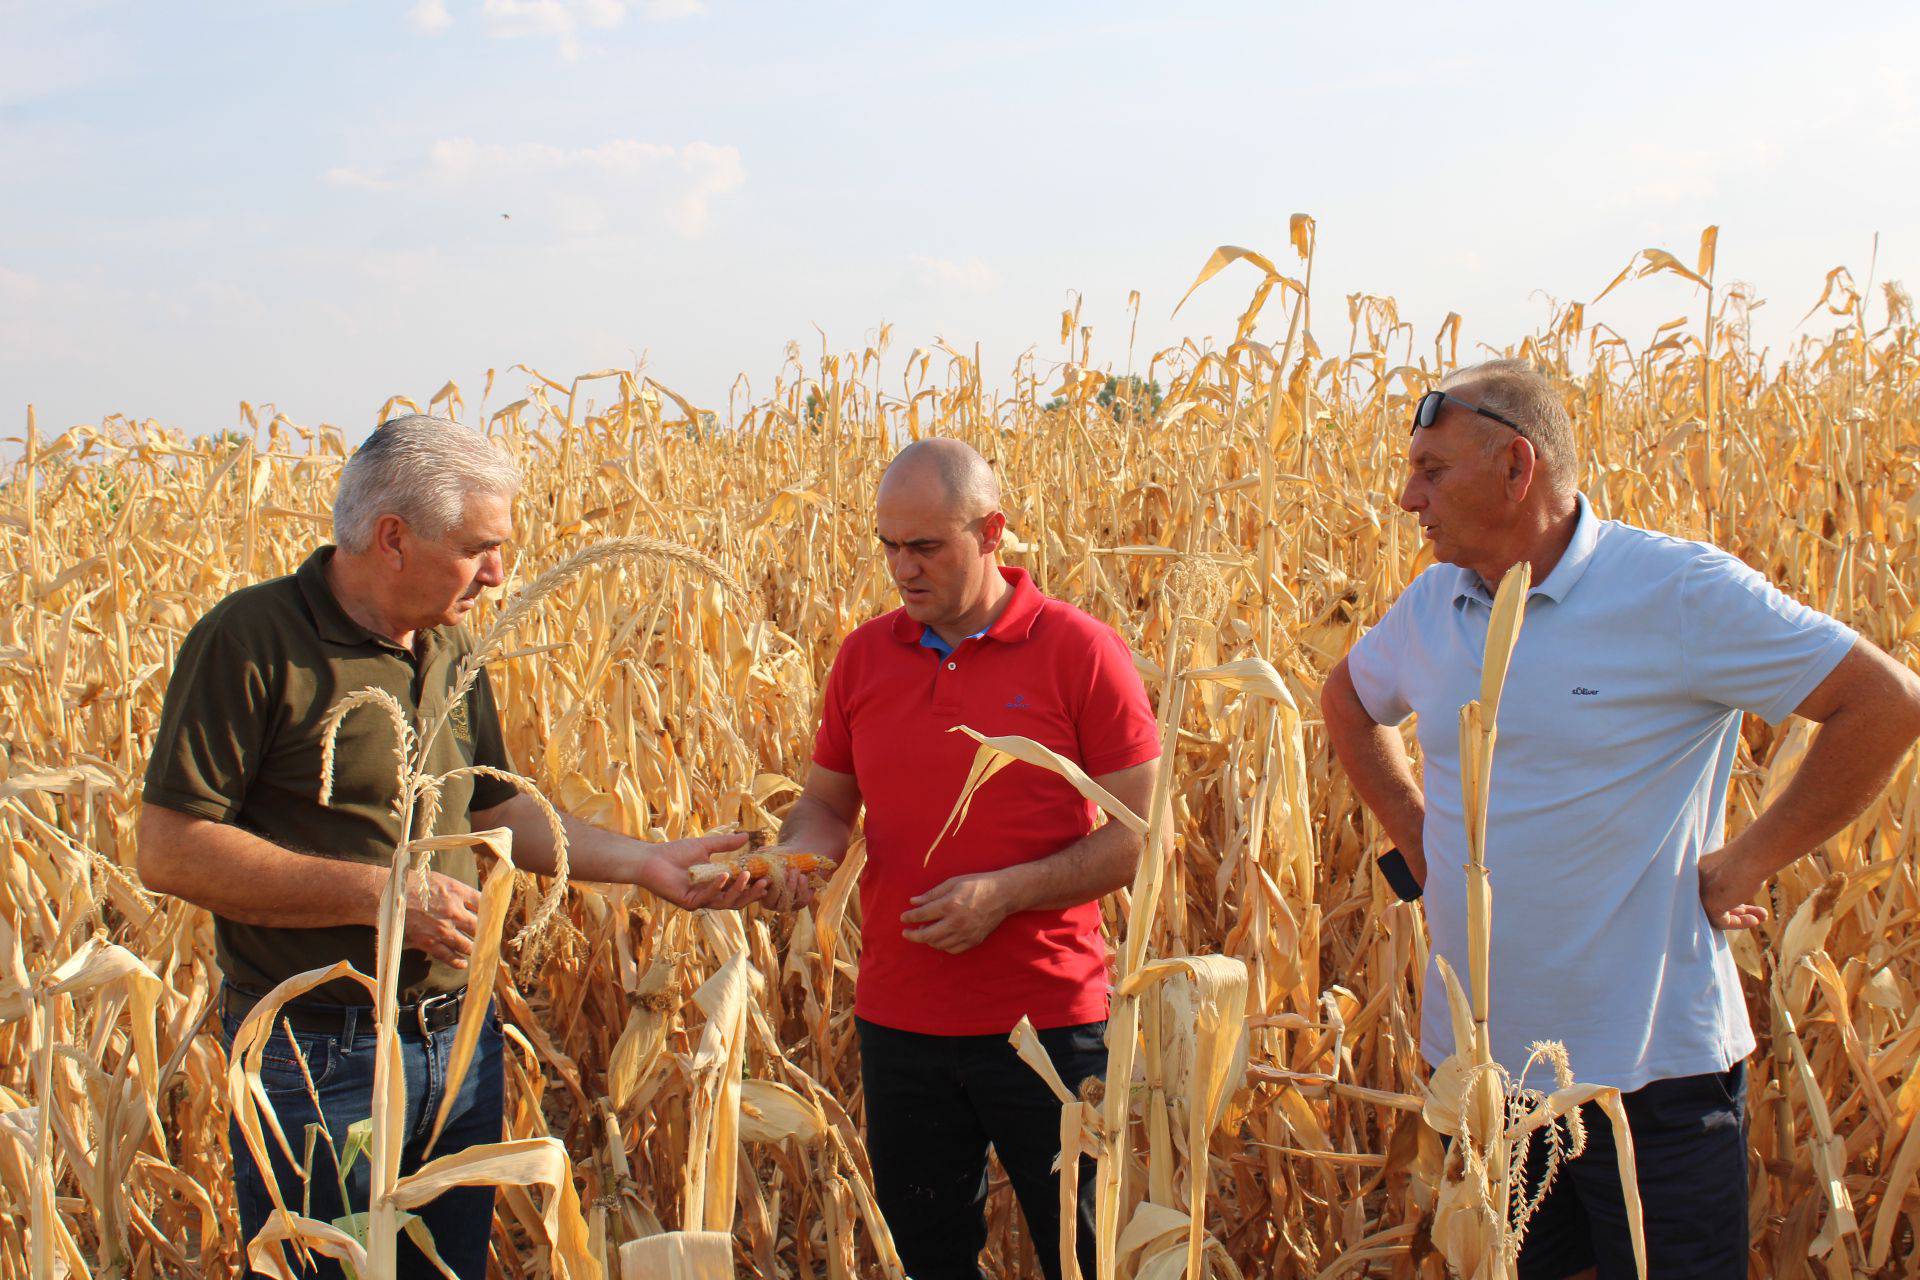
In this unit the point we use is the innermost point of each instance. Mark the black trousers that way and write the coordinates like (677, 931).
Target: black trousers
(934, 1106)
(1690, 1148)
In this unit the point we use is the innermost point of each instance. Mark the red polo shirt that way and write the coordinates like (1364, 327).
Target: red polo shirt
(1045, 671)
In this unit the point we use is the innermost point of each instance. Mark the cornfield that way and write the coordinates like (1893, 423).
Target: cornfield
(687, 1083)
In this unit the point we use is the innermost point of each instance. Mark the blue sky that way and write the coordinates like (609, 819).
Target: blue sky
(300, 202)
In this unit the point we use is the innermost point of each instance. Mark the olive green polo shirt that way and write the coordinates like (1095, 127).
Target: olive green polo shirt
(239, 741)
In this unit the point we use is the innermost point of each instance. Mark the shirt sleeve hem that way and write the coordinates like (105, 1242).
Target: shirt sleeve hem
(1125, 759)
(498, 794)
(1819, 669)
(191, 805)
(826, 760)
(1369, 701)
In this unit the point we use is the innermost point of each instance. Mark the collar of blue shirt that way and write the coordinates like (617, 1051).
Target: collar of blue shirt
(930, 639)
(1573, 563)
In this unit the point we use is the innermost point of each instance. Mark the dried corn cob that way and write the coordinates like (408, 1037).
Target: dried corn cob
(774, 862)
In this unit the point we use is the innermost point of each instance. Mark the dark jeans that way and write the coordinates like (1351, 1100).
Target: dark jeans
(342, 1069)
(934, 1105)
(1690, 1149)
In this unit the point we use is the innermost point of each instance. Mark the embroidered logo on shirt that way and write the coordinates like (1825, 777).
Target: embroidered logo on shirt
(1019, 703)
(462, 728)
(1581, 691)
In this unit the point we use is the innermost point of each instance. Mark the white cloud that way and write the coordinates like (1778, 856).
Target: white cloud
(565, 22)
(713, 171)
(456, 158)
(971, 276)
(561, 20)
(583, 186)
(430, 17)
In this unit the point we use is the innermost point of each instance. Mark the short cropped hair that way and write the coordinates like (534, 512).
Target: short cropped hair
(421, 469)
(968, 479)
(1517, 391)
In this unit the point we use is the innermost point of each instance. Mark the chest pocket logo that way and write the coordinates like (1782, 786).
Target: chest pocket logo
(462, 727)
(1581, 691)
(1019, 703)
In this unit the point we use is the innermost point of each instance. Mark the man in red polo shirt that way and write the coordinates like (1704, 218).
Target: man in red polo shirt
(1004, 919)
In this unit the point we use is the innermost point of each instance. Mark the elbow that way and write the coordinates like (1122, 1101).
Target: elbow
(1127, 868)
(1889, 703)
(1908, 706)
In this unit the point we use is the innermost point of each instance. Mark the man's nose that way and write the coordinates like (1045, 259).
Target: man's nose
(492, 569)
(1409, 500)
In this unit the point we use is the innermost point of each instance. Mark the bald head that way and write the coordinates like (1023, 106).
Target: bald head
(948, 472)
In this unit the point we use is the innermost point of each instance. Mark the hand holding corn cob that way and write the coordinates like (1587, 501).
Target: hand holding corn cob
(790, 874)
(667, 871)
(771, 863)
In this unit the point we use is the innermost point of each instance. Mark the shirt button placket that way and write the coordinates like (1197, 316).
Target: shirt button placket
(946, 692)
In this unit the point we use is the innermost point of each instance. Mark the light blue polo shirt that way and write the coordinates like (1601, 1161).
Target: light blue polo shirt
(1617, 735)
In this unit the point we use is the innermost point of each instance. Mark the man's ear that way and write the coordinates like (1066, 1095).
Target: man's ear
(1523, 468)
(389, 541)
(993, 527)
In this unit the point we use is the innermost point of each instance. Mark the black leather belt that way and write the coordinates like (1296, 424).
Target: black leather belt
(422, 1018)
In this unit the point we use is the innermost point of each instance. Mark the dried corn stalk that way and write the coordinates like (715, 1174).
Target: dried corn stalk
(649, 697)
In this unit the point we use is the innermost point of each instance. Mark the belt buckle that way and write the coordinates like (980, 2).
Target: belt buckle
(420, 1012)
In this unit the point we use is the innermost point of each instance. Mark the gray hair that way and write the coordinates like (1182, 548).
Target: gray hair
(1517, 391)
(421, 469)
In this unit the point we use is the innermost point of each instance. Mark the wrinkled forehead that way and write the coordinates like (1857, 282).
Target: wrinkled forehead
(1452, 434)
(486, 516)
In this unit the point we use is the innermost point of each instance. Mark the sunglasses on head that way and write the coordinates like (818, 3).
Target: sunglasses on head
(1427, 412)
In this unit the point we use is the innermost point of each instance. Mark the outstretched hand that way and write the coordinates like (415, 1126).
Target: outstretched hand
(665, 873)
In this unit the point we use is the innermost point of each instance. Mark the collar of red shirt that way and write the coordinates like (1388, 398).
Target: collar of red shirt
(1014, 624)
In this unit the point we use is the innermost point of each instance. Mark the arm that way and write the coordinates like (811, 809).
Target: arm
(235, 874)
(606, 857)
(958, 914)
(821, 820)
(1868, 709)
(1376, 763)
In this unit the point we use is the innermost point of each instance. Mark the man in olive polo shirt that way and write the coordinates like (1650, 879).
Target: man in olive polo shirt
(231, 818)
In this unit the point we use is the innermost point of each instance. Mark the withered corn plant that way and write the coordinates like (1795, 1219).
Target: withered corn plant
(696, 1073)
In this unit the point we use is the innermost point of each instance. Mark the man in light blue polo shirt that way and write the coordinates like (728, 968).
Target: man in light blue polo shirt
(1612, 884)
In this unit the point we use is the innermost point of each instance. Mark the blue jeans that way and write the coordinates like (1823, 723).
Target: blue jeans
(342, 1069)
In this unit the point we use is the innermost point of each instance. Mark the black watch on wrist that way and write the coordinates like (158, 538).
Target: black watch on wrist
(1393, 865)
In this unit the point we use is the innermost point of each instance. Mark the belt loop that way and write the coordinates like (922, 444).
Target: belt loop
(348, 1022)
